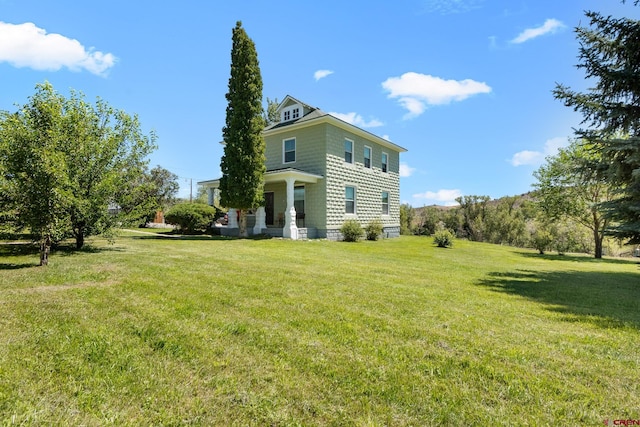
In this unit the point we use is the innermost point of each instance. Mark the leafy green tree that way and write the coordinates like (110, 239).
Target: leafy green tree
(243, 162)
(542, 239)
(407, 213)
(505, 222)
(271, 113)
(7, 210)
(610, 56)
(428, 220)
(65, 160)
(452, 220)
(571, 185)
(166, 186)
(105, 150)
(473, 209)
(37, 183)
(140, 198)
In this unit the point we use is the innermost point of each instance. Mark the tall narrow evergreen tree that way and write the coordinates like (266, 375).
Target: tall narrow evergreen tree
(243, 162)
(610, 56)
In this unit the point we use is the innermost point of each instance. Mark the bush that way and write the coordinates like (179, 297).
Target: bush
(374, 229)
(541, 240)
(351, 231)
(443, 238)
(191, 217)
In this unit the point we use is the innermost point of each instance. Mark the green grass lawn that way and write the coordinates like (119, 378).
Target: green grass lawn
(209, 331)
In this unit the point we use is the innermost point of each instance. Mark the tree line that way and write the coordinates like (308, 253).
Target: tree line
(518, 221)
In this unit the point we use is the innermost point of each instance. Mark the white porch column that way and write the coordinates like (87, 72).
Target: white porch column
(232, 216)
(210, 196)
(261, 220)
(290, 229)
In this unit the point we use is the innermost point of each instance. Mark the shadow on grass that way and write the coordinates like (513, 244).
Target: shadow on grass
(207, 237)
(32, 249)
(580, 258)
(604, 299)
(10, 266)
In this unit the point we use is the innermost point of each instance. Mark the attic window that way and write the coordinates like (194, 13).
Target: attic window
(291, 113)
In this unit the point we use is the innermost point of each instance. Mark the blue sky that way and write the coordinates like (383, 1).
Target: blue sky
(464, 85)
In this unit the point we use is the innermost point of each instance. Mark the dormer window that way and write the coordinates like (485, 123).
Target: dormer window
(291, 113)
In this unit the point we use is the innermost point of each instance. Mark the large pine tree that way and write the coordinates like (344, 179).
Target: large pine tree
(243, 162)
(610, 56)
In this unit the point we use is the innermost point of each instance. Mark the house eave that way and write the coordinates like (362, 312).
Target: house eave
(328, 118)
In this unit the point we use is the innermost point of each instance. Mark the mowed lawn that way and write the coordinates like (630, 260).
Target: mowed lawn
(206, 331)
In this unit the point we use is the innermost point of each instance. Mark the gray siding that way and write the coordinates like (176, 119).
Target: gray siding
(369, 182)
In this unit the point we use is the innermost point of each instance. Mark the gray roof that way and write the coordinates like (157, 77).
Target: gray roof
(313, 114)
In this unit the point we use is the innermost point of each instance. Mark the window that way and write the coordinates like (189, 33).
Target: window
(350, 200)
(298, 199)
(291, 113)
(348, 151)
(367, 157)
(385, 162)
(289, 150)
(385, 203)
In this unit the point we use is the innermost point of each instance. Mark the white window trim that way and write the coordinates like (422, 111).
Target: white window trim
(295, 150)
(382, 203)
(364, 158)
(355, 200)
(353, 144)
(384, 154)
(290, 110)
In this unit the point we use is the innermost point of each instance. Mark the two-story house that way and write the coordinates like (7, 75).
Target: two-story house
(322, 171)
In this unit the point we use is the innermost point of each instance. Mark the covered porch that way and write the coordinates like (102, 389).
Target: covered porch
(271, 218)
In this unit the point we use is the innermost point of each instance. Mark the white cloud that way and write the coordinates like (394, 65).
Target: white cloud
(550, 26)
(551, 146)
(25, 45)
(447, 7)
(357, 120)
(535, 158)
(527, 157)
(386, 137)
(440, 197)
(406, 170)
(416, 91)
(321, 74)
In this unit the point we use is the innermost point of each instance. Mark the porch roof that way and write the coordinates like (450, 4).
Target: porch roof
(298, 175)
(276, 175)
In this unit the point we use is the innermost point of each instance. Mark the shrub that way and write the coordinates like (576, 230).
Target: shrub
(541, 240)
(374, 229)
(443, 238)
(351, 231)
(191, 217)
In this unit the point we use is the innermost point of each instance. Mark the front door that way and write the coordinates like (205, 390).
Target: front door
(268, 207)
